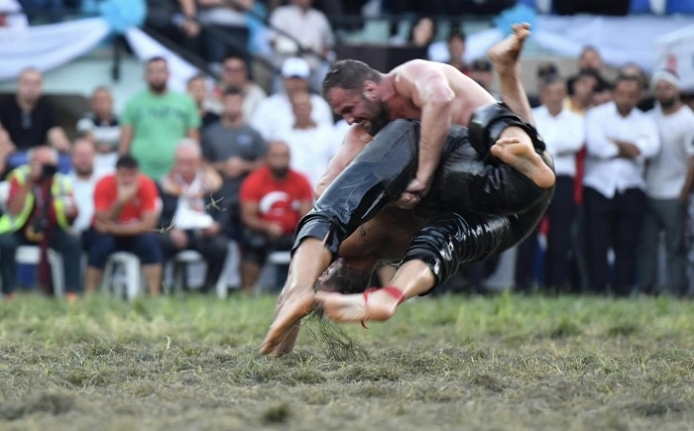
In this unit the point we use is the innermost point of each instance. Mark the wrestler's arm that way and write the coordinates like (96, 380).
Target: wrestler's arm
(429, 90)
(355, 141)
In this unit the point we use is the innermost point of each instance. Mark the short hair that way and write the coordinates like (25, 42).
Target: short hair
(54, 153)
(127, 162)
(30, 69)
(350, 75)
(456, 33)
(196, 77)
(550, 79)
(234, 91)
(189, 143)
(155, 59)
(628, 78)
(101, 88)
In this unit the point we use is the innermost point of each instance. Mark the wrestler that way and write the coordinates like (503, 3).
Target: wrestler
(472, 183)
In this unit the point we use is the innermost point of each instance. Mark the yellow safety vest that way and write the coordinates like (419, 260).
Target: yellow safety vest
(60, 189)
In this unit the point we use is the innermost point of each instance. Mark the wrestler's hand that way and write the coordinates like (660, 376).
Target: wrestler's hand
(414, 193)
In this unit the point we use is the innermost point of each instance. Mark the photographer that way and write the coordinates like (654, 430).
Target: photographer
(40, 210)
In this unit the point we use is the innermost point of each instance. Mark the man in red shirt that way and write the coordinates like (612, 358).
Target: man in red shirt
(126, 213)
(273, 200)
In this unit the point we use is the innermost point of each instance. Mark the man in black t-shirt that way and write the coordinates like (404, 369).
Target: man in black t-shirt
(28, 119)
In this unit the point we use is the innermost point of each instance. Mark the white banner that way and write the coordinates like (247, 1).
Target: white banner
(675, 51)
(48, 46)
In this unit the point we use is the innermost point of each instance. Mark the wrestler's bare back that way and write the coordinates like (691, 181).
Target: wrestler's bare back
(402, 90)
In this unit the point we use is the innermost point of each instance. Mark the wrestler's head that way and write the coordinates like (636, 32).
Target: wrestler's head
(278, 158)
(351, 89)
(157, 74)
(626, 93)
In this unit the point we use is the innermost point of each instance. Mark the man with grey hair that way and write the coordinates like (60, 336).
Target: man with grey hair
(188, 215)
(40, 210)
(669, 179)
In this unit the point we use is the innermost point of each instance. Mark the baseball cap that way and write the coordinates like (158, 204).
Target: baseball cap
(296, 67)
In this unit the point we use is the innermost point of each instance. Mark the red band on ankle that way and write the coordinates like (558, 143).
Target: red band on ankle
(390, 290)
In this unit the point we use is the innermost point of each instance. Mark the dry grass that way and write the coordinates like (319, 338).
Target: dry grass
(444, 363)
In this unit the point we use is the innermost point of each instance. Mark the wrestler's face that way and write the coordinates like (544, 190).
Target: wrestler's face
(363, 108)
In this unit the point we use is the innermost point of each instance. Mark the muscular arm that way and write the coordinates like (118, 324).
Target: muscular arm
(355, 141)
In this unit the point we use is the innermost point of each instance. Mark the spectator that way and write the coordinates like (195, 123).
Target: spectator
(28, 119)
(275, 112)
(234, 149)
(619, 139)
(669, 179)
(590, 58)
(647, 102)
(229, 18)
(581, 90)
(235, 75)
(186, 198)
(103, 128)
(84, 176)
(482, 73)
(273, 200)
(155, 120)
(126, 213)
(40, 209)
(563, 132)
(602, 93)
(456, 50)
(6, 148)
(305, 25)
(422, 32)
(312, 145)
(176, 20)
(197, 89)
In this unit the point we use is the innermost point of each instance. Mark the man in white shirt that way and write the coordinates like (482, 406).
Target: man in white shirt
(669, 179)
(619, 139)
(85, 174)
(312, 145)
(564, 134)
(275, 113)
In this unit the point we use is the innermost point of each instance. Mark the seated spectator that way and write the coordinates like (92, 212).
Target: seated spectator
(228, 18)
(306, 25)
(312, 145)
(155, 120)
(275, 113)
(234, 149)
(176, 21)
(197, 89)
(187, 215)
(28, 119)
(103, 128)
(235, 75)
(40, 210)
(273, 200)
(126, 214)
(84, 176)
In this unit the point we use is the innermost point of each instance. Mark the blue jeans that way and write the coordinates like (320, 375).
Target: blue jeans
(100, 246)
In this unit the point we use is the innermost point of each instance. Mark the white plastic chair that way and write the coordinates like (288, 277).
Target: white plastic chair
(132, 275)
(181, 262)
(31, 255)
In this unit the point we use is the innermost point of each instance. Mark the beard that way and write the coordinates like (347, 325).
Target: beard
(667, 103)
(378, 121)
(157, 88)
(84, 172)
(279, 172)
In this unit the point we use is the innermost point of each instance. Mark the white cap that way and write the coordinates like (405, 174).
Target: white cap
(296, 67)
(667, 76)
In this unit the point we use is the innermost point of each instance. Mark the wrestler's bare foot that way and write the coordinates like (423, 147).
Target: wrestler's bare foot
(520, 155)
(504, 55)
(380, 306)
(296, 305)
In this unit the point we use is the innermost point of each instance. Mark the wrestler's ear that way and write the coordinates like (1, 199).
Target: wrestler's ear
(370, 88)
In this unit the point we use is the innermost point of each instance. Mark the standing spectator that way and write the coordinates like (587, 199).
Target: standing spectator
(273, 200)
(669, 179)
(186, 197)
(306, 25)
(234, 149)
(235, 75)
(619, 139)
(590, 58)
(40, 210)
(581, 90)
(228, 17)
(84, 175)
(563, 132)
(103, 128)
(176, 21)
(481, 72)
(312, 145)
(456, 50)
(275, 113)
(155, 120)
(28, 119)
(125, 205)
(197, 89)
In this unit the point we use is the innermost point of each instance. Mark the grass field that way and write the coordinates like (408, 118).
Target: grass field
(443, 363)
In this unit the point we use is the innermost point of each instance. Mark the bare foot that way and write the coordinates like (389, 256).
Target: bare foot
(379, 306)
(291, 309)
(504, 55)
(520, 155)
